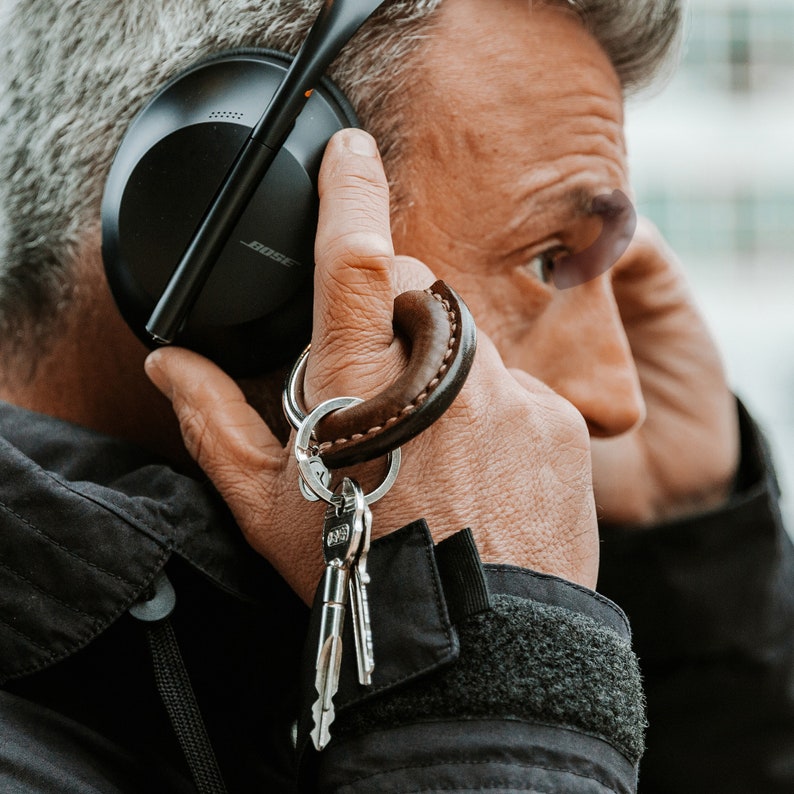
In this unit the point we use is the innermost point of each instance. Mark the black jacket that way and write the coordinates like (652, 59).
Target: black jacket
(711, 604)
(487, 679)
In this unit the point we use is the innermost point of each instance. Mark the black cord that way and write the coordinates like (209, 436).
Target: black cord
(177, 695)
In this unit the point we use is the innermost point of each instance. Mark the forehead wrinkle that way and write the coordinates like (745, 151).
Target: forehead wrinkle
(593, 118)
(523, 130)
(488, 67)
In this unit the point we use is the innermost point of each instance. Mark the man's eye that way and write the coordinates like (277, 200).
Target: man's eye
(541, 266)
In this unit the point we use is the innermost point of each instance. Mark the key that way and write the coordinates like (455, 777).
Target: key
(359, 606)
(329, 653)
(343, 531)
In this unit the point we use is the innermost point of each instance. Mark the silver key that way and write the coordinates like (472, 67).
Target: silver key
(359, 606)
(343, 532)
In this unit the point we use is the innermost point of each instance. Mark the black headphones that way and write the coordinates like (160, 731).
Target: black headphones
(210, 208)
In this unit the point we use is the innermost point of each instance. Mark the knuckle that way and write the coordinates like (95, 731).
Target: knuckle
(193, 426)
(362, 247)
(224, 453)
(359, 370)
(363, 189)
(647, 244)
(563, 423)
(361, 186)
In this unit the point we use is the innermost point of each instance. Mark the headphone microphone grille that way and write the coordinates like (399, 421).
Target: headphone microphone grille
(226, 114)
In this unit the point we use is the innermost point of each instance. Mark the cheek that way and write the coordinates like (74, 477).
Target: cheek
(578, 336)
(535, 329)
(544, 347)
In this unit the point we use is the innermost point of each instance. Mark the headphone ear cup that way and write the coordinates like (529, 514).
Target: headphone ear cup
(254, 312)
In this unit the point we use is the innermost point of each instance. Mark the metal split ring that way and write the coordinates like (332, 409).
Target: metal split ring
(307, 456)
(292, 397)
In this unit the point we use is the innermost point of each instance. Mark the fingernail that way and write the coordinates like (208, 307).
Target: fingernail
(361, 143)
(157, 375)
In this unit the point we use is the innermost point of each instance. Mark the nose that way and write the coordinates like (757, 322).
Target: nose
(580, 349)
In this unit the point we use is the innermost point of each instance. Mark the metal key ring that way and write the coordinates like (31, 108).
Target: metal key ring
(291, 399)
(304, 453)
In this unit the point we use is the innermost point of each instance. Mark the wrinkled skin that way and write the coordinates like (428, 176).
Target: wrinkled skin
(546, 519)
(518, 126)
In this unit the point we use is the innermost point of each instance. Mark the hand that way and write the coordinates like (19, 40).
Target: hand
(510, 458)
(682, 459)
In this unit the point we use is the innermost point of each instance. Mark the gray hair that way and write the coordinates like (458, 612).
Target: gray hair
(73, 74)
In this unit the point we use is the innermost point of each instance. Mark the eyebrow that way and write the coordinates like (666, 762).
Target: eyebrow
(565, 205)
(576, 201)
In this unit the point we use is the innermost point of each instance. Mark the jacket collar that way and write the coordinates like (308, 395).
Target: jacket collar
(86, 523)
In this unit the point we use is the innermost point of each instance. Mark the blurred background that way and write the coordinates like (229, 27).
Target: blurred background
(712, 159)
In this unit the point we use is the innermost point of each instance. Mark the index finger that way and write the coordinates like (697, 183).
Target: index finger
(354, 290)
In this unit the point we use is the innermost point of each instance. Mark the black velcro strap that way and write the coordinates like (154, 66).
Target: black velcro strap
(462, 576)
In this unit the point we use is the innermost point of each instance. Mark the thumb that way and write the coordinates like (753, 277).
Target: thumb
(226, 437)
(244, 460)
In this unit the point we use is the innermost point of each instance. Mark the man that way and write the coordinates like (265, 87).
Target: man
(508, 128)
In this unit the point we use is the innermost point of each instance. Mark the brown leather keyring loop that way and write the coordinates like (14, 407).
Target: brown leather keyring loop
(441, 332)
